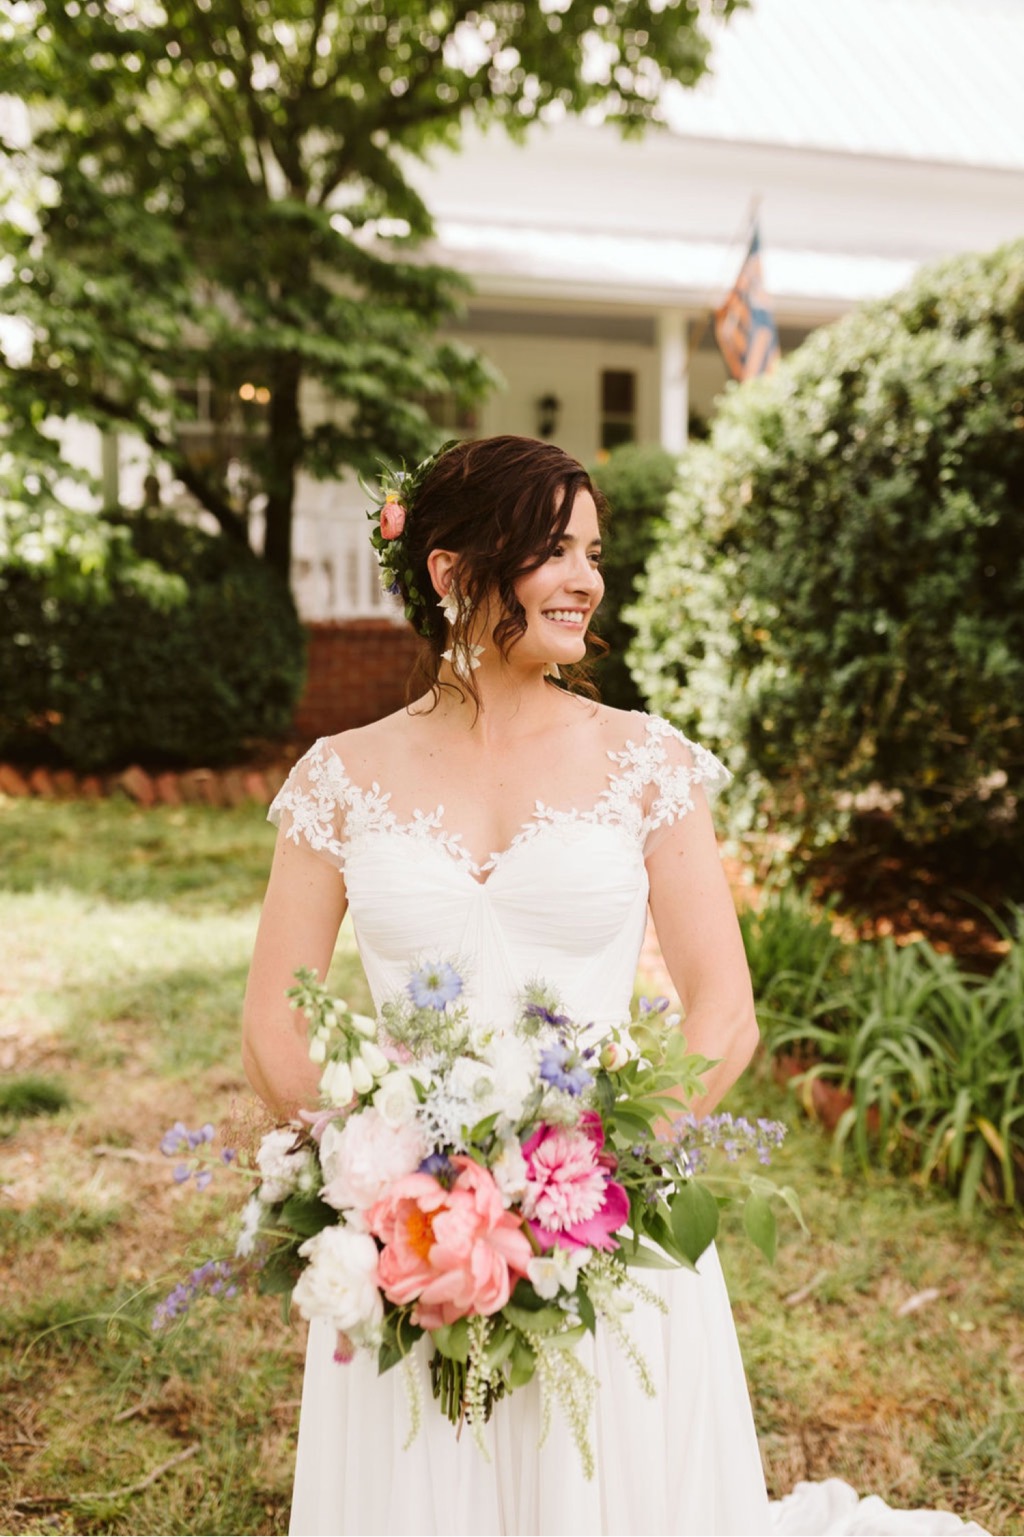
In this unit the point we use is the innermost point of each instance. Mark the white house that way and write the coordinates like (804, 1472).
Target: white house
(872, 137)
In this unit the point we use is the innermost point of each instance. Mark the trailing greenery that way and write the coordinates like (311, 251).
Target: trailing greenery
(636, 480)
(931, 1056)
(836, 600)
(142, 641)
(222, 199)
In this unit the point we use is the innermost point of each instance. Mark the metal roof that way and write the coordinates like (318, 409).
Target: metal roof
(928, 80)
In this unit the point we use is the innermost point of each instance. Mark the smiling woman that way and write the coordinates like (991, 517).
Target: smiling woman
(507, 822)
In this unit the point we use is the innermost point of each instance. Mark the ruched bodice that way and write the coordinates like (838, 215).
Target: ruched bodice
(565, 902)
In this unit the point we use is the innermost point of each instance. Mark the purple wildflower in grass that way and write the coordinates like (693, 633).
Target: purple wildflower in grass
(434, 987)
(228, 1155)
(182, 1173)
(562, 1066)
(203, 1178)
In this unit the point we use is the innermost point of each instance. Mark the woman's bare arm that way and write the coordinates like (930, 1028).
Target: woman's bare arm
(700, 939)
(302, 912)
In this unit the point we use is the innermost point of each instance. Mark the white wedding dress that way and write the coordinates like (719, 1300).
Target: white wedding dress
(566, 902)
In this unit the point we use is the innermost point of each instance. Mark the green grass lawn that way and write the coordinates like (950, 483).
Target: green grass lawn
(126, 937)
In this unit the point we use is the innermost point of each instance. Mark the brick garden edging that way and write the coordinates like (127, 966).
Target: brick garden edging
(184, 787)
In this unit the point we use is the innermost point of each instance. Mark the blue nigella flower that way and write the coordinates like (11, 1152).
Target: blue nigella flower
(562, 1066)
(538, 1011)
(441, 1167)
(434, 987)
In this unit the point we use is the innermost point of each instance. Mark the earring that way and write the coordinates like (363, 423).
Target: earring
(551, 670)
(463, 658)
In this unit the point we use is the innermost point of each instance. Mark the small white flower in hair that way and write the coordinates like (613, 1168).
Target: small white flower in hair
(449, 605)
(463, 657)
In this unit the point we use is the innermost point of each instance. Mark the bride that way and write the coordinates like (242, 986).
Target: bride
(513, 823)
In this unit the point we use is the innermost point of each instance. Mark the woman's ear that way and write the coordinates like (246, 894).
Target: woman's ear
(441, 568)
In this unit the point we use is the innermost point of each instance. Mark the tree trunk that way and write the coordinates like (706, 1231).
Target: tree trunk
(284, 453)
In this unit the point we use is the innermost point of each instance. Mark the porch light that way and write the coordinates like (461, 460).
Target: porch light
(548, 407)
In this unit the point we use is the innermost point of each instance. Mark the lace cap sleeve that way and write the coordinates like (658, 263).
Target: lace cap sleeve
(677, 768)
(311, 805)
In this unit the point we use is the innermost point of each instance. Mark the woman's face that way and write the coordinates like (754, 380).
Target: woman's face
(560, 597)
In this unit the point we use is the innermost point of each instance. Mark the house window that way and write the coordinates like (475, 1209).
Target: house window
(618, 407)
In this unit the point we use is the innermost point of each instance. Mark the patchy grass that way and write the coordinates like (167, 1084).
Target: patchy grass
(127, 937)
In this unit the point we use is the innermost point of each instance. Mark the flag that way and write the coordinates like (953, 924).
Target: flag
(744, 325)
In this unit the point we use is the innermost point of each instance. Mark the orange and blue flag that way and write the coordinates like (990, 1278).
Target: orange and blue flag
(744, 325)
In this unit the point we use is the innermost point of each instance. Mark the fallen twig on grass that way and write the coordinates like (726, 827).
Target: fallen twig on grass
(804, 1292)
(40, 1501)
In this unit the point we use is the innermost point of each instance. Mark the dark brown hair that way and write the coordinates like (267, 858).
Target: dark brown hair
(501, 505)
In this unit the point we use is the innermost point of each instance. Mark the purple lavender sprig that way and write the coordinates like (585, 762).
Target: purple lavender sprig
(734, 1135)
(180, 1139)
(215, 1278)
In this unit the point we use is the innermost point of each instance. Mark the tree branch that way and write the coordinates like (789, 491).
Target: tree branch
(44, 1501)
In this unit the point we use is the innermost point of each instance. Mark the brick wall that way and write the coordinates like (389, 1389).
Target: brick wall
(358, 670)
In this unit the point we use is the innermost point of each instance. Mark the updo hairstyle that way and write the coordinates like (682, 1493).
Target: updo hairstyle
(501, 505)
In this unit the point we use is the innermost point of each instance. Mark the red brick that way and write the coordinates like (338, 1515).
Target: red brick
(91, 788)
(232, 788)
(168, 790)
(65, 784)
(137, 783)
(11, 782)
(41, 784)
(256, 787)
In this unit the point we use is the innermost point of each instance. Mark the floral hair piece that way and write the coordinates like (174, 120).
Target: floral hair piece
(388, 534)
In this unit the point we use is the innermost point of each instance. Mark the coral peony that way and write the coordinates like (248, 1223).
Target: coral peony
(571, 1198)
(455, 1251)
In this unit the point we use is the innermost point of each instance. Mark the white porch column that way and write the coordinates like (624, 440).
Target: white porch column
(673, 378)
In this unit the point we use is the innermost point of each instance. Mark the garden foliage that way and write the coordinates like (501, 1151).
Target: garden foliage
(932, 1056)
(837, 597)
(636, 481)
(141, 641)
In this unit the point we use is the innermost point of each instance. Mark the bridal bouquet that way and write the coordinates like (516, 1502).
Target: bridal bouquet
(492, 1190)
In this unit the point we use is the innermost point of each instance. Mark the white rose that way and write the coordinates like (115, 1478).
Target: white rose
(365, 1156)
(396, 1099)
(340, 1282)
(474, 1083)
(284, 1170)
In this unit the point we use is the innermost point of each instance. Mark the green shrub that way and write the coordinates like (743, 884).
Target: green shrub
(30, 1094)
(139, 640)
(836, 600)
(637, 481)
(789, 942)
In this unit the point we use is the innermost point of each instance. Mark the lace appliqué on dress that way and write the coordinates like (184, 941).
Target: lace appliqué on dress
(652, 787)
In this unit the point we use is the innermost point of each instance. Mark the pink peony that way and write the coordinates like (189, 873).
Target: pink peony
(362, 1156)
(571, 1198)
(392, 518)
(456, 1251)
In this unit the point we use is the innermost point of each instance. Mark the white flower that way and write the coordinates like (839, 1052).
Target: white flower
(284, 1170)
(556, 1271)
(374, 1058)
(396, 1098)
(510, 1172)
(340, 1282)
(362, 1078)
(614, 1055)
(336, 1083)
(364, 1156)
(318, 1049)
(365, 1025)
(515, 1064)
(474, 1083)
(252, 1212)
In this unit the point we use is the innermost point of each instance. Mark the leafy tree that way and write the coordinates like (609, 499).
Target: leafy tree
(836, 598)
(220, 190)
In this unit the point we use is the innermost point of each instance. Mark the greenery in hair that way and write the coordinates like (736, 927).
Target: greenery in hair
(400, 488)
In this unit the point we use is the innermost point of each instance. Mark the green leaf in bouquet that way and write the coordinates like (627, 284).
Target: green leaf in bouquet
(588, 1318)
(307, 1215)
(482, 1130)
(604, 1094)
(279, 1272)
(760, 1226)
(660, 1232)
(632, 1122)
(502, 1344)
(452, 1340)
(645, 1258)
(546, 1320)
(522, 1363)
(694, 1218)
(567, 1339)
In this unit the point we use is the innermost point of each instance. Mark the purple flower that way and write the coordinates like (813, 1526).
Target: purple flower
(174, 1140)
(563, 1067)
(653, 1005)
(441, 1167)
(538, 1011)
(203, 1178)
(434, 987)
(215, 1278)
(182, 1173)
